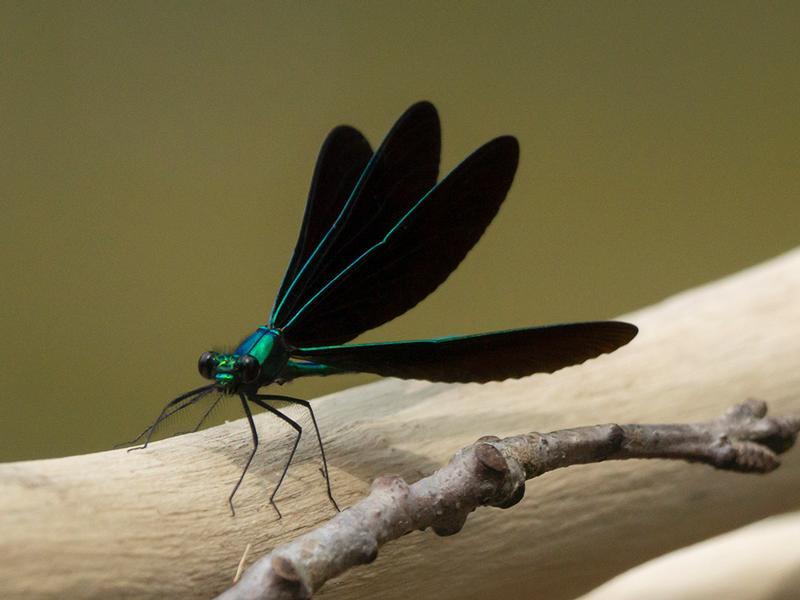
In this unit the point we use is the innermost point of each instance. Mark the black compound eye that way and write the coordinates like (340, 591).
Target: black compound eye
(249, 367)
(206, 364)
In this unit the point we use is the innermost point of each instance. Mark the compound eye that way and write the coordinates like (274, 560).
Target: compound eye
(249, 368)
(206, 364)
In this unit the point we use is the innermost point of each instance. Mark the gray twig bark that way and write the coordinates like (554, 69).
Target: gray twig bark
(492, 472)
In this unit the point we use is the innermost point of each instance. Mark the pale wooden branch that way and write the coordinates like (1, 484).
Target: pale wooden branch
(492, 472)
(758, 562)
(156, 523)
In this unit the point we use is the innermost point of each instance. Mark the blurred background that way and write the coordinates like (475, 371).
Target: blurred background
(156, 156)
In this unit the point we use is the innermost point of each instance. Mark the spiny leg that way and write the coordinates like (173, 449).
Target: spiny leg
(161, 419)
(148, 428)
(202, 419)
(252, 454)
(258, 400)
(307, 404)
(163, 415)
(190, 399)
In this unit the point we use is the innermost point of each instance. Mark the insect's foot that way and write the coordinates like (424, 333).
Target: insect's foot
(330, 493)
(275, 506)
(129, 442)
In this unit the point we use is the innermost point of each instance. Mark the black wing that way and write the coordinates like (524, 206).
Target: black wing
(404, 167)
(412, 257)
(342, 158)
(479, 358)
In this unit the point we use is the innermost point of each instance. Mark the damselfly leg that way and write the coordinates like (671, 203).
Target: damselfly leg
(262, 401)
(169, 409)
(307, 405)
(258, 399)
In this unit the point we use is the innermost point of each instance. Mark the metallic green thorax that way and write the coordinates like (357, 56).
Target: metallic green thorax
(267, 347)
(274, 357)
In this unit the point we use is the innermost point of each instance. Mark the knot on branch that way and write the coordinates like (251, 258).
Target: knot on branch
(288, 579)
(508, 473)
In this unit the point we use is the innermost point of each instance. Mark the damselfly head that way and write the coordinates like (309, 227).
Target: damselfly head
(228, 370)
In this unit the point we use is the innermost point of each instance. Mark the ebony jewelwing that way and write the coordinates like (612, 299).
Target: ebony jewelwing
(379, 234)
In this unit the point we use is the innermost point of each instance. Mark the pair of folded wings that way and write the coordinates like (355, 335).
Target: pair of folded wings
(379, 234)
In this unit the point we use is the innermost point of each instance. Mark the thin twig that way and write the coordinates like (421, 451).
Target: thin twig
(492, 472)
(240, 567)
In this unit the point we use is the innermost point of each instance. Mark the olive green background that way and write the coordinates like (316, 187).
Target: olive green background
(156, 158)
